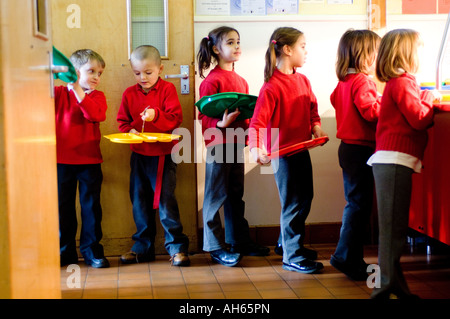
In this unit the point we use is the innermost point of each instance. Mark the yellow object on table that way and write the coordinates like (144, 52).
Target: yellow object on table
(130, 138)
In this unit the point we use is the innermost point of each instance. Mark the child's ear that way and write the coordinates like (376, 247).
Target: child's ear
(287, 50)
(161, 68)
(215, 50)
(78, 74)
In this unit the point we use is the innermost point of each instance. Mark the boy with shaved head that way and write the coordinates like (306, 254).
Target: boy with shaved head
(152, 104)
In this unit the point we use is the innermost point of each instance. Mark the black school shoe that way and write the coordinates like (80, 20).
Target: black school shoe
(355, 273)
(133, 258)
(251, 249)
(305, 266)
(226, 258)
(97, 262)
(278, 249)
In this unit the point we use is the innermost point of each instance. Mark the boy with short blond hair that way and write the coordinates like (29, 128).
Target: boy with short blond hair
(152, 104)
(79, 109)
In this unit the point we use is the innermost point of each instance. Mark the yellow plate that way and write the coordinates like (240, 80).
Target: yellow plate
(160, 137)
(125, 138)
(130, 138)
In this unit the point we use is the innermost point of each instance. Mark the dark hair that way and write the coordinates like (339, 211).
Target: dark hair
(206, 53)
(81, 57)
(280, 37)
(355, 49)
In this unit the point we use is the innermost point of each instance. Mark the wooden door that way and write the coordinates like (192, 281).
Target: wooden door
(29, 238)
(101, 25)
(181, 52)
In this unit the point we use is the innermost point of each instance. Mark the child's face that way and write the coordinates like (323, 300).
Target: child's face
(146, 72)
(229, 49)
(298, 52)
(89, 75)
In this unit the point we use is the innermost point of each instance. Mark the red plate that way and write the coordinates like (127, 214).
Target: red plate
(299, 147)
(442, 106)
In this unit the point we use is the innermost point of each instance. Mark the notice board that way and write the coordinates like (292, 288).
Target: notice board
(425, 6)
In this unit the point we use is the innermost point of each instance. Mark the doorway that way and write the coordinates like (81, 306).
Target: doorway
(102, 26)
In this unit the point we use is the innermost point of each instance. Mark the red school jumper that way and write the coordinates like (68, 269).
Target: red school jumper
(163, 98)
(357, 106)
(406, 113)
(287, 103)
(220, 81)
(78, 126)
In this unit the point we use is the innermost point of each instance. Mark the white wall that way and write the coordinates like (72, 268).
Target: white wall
(322, 36)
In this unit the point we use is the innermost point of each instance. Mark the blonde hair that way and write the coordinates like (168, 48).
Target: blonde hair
(280, 37)
(398, 50)
(83, 56)
(357, 49)
(146, 52)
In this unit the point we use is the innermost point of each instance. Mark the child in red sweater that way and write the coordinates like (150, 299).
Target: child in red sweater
(79, 109)
(401, 138)
(286, 102)
(357, 105)
(224, 173)
(153, 172)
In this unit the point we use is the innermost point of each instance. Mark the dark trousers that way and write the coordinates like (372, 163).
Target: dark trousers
(294, 178)
(89, 179)
(142, 185)
(393, 185)
(358, 188)
(224, 185)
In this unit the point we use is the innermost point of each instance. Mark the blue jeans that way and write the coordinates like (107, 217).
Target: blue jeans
(142, 184)
(89, 180)
(293, 175)
(224, 185)
(358, 188)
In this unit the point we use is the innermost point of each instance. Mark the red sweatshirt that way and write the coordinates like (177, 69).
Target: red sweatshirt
(405, 115)
(357, 107)
(78, 126)
(220, 81)
(285, 102)
(163, 98)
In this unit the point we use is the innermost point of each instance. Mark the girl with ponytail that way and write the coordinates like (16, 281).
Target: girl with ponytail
(286, 103)
(224, 172)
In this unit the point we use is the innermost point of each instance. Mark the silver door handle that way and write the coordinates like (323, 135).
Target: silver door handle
(184, 76)
(177, 76)
(59, 68)
(53, 68)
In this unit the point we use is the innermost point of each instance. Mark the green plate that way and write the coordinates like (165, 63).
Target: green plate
(215, 105)
(60, 59)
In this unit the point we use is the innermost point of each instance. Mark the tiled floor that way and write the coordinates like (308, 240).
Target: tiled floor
(254, 278)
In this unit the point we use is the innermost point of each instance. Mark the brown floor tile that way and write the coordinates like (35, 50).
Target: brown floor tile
(237, 286)
(248, 294)
(135, 292)
(207, 295)
(278, 294)
(253, 278)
